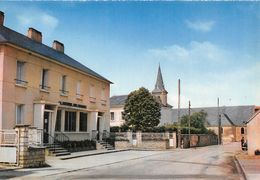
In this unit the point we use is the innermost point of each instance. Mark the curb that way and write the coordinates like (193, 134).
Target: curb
(93, 154)
(240, 167)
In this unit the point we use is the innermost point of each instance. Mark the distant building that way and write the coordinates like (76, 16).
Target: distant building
(43, 87)
(253, 133)
(233, 120)
(117, 103)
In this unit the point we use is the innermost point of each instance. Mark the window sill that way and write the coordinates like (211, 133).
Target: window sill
(45, 90)
(92, 99)
(21, 85)
(64, 95)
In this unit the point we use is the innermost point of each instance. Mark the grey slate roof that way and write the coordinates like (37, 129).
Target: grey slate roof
(10, 36)
(117, 101)
(237, 114)
(159, 85)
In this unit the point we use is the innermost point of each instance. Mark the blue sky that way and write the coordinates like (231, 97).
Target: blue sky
(213, 47)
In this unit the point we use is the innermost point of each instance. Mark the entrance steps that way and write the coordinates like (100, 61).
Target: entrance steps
(104, 145)
(56, 150)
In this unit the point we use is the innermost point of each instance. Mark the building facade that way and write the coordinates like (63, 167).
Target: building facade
(43, 87)
(117, 103)
(253, 132)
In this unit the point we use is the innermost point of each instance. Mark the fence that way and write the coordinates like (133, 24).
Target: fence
(8, 146)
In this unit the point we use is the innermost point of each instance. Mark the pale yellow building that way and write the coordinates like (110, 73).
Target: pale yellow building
(43, 87)
(253, 133)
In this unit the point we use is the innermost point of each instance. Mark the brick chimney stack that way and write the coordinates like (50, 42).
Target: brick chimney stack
(58, 46)
(35, 35)
(2, 18)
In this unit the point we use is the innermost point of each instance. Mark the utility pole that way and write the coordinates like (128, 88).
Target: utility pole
(179, 123)
(189, 124)
(219, 125)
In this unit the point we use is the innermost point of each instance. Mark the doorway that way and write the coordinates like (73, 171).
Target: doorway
(46, 126)
(98, 123)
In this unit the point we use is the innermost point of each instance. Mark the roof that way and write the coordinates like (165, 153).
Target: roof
(159, 85)
(254, 115)
(116, 101)
(10, 36)
(236, 115)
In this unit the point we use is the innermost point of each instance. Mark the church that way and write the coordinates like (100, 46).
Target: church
(233, 118)
(117, 104)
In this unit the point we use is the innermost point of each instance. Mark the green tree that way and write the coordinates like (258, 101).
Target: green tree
(141, 110)
(197, 122)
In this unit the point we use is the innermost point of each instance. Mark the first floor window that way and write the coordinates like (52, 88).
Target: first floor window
(112, 114)
(83, 121)
(58, 121)
(242, 131)
(70, 121)
(19, 114)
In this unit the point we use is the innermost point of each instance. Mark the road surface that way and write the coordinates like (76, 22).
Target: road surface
(212, 162)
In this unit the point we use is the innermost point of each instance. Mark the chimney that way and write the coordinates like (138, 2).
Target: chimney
(58, 46)
(35, 35)
(2, 18)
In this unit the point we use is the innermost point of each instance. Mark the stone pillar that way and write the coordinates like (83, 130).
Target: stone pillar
(28, 156)
(139, 138)
(23, 144)
(129, 135)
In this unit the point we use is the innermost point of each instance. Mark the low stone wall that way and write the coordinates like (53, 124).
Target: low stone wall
(32, 157)
(198, 140)
(122, 144)
(147, 144)
(154, 144)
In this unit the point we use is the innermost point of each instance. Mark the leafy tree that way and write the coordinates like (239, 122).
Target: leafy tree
(197, 122)
(141, 110)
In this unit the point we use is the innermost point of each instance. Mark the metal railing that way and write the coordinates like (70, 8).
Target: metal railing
(21, 82)
(8, 138)
(44, 87)
(61, 137)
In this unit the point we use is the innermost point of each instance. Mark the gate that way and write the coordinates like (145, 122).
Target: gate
(8, 146)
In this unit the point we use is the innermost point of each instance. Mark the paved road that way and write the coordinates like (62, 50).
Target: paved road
(214, 162)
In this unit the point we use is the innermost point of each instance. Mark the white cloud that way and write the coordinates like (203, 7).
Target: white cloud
(203, 26)
(38, 19)
(195, 51)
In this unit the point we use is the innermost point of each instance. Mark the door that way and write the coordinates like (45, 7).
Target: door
(98, 133)
(46, 120)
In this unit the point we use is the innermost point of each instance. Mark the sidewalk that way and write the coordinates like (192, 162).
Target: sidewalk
(89, 153)
(250, 166)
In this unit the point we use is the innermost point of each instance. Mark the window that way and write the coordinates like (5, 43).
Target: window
(20, 73)
(112, 114)
(58, 121)
(242, 131)
(92, 91)
(78, 88)
(19, 114)
(63, 85)
(70, 121)
(44, 80)
(83, 122)
(103, 96)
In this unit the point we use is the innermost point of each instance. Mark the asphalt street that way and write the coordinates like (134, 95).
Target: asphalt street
(213, 162)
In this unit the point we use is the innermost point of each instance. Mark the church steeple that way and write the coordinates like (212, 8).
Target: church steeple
(159, 89)
(159, 85)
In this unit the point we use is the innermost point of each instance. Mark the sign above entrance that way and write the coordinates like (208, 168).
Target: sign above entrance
(72, 104)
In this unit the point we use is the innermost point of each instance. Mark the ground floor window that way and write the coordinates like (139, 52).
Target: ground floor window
(70, 121)
(19, 114)
(242, 131)
(83, 121)
(58, 121)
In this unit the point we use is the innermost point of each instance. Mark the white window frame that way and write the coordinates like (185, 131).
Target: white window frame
(63, 89)
(20, 73)
(19, 113)
(44, 79)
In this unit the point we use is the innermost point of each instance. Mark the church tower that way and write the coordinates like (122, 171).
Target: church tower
(159, 89)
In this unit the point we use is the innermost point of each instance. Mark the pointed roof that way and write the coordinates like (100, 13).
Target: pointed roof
(159, 86)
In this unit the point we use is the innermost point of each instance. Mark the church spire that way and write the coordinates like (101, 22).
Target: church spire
(159, 86)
